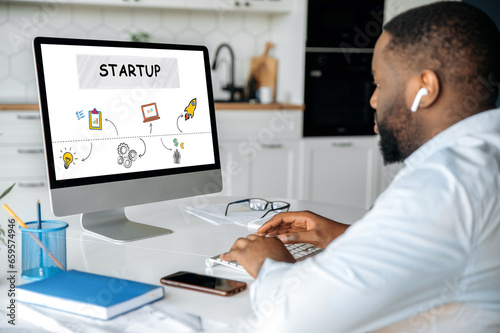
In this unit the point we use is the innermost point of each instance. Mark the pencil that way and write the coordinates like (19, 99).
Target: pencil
(22, 224)
(39, 214)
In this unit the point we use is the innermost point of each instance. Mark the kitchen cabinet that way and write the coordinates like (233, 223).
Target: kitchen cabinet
(23, 159)
(263, 154)
(265, 6)
(341, 170)
(260, 152)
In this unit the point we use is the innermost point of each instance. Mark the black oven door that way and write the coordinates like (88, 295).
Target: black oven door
(338, 87)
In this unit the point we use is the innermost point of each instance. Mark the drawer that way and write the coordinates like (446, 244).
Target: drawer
(261, 126)
(22, 162)
(20, 128)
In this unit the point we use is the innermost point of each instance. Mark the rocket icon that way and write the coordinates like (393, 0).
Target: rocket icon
(190, 109)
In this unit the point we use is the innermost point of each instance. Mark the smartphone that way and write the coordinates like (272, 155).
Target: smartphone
(204, 283)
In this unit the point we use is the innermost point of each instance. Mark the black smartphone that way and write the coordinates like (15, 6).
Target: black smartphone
(204, 283)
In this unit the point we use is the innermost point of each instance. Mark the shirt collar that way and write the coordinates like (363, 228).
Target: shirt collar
(481, 122)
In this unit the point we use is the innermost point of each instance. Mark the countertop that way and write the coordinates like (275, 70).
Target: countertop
(218, 106)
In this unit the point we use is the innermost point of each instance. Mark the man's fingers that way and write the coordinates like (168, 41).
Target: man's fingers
(275, 221)
(233, 254)
(299, 237)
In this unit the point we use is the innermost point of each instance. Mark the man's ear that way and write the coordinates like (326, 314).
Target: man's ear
(430, 81)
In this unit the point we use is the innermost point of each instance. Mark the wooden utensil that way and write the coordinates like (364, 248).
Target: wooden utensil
(264, 68)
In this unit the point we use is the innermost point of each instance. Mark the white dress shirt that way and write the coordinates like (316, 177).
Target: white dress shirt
(425, 258)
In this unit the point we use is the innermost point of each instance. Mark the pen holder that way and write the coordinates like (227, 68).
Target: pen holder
(43, 250)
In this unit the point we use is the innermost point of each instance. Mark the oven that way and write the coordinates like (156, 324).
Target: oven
(338, 87)
(341, 35)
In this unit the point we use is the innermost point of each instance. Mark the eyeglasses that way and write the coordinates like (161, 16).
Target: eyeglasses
(261, 204)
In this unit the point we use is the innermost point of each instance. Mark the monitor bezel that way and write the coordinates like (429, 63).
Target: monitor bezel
(44, 111)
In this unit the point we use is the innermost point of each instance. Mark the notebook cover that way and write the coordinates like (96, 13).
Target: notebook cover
(95, 295)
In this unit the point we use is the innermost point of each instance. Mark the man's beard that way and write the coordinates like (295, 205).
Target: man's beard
(399, 134)
(389, 146)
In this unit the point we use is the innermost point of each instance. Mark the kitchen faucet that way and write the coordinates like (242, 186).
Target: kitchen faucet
(230, 86)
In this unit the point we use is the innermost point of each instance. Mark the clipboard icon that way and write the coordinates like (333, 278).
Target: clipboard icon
(95, 119)
(150, 112)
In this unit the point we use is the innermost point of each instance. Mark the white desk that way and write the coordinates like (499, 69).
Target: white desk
(192, 241)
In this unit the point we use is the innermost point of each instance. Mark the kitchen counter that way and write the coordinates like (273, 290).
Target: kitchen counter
(218, 106)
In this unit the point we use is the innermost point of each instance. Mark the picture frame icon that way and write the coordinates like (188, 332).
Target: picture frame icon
(95, 120)
(150, 112)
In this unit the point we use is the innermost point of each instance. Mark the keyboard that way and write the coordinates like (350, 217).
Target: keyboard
(299, 251)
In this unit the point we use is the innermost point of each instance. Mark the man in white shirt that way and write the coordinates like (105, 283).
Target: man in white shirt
(426, 257)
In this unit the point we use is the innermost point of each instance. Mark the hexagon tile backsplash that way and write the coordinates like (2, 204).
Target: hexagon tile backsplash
(21, 22)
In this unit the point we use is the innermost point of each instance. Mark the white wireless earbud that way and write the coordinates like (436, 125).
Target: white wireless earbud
(422, 92)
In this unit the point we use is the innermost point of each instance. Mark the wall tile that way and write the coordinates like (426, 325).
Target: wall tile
(230, 23)
(243, 44)
(189, 36)
(11, 38)
(20, 22)
(60, 16)
(202, 21)
(88, 17)
(102, 32)
(12, 91)
(4, 66)
(3, 12)
(22, 66)
(31, 92)
(175, 21)
(117, 17)
(257, 24)
(72, 30)
(146, 19)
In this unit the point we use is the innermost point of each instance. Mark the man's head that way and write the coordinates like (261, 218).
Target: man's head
(450, 48)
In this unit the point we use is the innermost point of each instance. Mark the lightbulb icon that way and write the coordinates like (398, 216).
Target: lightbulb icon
(68, 158)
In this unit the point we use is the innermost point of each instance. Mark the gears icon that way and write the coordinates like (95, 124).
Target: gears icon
(123, 149)
(126, 155)
(132, 155)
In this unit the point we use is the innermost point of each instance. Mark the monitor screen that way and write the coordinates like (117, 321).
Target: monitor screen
(124, 117)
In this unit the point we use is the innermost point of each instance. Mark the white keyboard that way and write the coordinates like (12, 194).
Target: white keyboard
(299, 251)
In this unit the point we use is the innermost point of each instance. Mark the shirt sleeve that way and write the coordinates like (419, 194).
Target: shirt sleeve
(406, 256)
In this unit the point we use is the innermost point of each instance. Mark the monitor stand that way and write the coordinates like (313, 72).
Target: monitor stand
(115, 226)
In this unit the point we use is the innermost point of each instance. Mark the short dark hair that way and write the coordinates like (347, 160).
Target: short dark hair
(456, 40)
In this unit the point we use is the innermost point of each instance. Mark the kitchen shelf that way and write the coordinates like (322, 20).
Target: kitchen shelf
(263, 6)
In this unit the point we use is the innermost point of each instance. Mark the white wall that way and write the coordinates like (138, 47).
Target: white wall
(247, 33)
(395, 7)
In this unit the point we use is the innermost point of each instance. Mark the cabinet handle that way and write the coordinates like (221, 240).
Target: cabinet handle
(30, 151)
(342, 144)
(271, 146)
(28, 117)
(31, 184)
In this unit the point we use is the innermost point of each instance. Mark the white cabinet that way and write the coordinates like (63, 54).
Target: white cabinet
(23, 158)
(260, 152)
(342, 170)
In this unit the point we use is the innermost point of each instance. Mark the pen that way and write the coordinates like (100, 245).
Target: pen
(39, 214)
(41, 234)
(22, 224)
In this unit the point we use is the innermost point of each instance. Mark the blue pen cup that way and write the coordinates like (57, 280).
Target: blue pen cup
(43, 250)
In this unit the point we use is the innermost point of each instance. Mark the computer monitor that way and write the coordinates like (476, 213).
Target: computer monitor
(125, 124)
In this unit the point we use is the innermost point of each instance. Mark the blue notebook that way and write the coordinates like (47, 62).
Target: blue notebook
(88, 294)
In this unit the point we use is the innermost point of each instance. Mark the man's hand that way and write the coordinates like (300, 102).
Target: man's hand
(302, 227)
(251, 252)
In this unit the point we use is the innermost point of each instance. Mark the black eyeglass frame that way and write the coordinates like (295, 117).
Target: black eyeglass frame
(287, 205)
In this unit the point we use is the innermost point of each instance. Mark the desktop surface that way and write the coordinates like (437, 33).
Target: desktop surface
(148, 260)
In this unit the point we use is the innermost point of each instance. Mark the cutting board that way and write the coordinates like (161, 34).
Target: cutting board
(265, 68)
